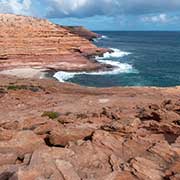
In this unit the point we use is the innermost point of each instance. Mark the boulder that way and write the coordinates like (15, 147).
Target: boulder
(146, 169)
(61, 137)
(22, 142)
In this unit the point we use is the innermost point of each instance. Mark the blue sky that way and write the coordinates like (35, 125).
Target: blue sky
(102, 14)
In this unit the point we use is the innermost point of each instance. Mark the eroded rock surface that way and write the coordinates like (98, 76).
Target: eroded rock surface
(83, 32)
(89, 133)
(37, 43)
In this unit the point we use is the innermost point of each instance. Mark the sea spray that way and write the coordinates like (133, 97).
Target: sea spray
(119, 67)
(63, 76)
(102, 37)
(115, 54)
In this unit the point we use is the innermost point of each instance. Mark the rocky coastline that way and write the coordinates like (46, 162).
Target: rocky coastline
(60, 131)
(28, 42)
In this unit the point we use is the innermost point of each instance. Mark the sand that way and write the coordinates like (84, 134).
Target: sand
(26, 72)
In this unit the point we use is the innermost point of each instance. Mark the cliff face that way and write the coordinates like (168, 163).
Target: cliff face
(83, 32)
(27, 41)
(50, 130)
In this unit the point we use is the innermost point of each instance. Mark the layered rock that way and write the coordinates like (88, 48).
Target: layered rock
(83, 32)
(38, 43)
(50, 130)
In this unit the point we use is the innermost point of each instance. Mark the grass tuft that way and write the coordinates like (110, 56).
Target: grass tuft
(23, 87)
(16, 87)
(50, 114)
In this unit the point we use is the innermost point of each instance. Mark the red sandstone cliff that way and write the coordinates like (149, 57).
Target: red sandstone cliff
(83, 32)
(31, 42)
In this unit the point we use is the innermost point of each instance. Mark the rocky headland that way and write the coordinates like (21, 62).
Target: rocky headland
(83, 32)
(59, 131)
(28, 42)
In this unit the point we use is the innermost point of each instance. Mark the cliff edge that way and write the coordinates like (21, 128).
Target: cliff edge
(83, 32)
(38, 43)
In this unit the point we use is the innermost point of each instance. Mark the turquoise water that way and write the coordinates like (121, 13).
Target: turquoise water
(142, 58)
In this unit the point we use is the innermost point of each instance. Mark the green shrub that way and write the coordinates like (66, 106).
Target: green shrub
(50, 114)
(17, 87)
(24, 87)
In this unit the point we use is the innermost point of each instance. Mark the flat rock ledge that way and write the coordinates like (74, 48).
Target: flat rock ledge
(55, 131)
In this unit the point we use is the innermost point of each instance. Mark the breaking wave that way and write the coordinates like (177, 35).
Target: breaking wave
(104, 37)
(117, 53)
(63, 76)
(100, 38)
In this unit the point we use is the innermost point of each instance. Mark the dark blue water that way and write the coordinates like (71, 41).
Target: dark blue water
(153, 59)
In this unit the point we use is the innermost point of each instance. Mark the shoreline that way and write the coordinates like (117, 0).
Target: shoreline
(49, 46)
(45, 74)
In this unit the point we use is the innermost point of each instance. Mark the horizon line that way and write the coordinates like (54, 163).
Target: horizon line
(138, 30)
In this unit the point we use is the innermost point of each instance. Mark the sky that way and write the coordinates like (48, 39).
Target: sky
(102, 14)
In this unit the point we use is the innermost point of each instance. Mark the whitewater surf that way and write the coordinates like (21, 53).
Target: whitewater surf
(63, 76)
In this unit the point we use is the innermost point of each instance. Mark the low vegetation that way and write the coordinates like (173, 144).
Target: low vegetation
(50, 114)
(24, 87)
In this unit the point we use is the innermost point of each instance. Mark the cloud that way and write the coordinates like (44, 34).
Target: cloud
(88, 8)
(161, 18)
(15, 6)
(80, 8)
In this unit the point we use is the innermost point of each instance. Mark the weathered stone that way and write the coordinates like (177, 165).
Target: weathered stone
(8, 158)
(38, 43)
(146, 169)
(23, 142)
(61, 137)
(5, 135)
(67, 170)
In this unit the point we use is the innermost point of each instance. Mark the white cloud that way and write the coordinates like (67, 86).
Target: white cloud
(85, 8)
(161, 18)
(88, 8)
(80, 8)
(27, 4)
(15, 6)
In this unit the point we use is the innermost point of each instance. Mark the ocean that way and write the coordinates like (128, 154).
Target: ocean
(142, 59)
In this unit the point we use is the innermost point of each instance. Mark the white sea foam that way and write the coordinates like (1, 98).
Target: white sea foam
(104, 37)
(115, 54)
(100, 38)
(119, 67)
(63, 76)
